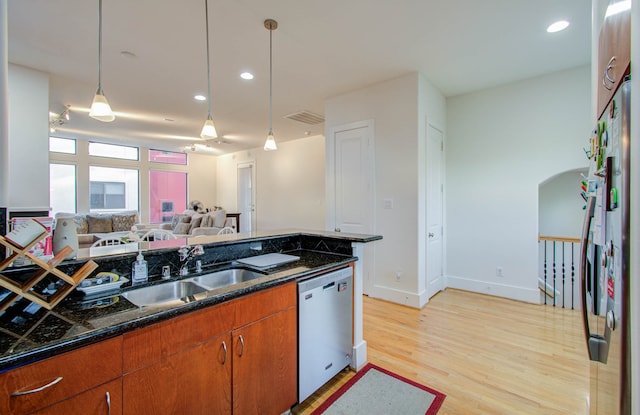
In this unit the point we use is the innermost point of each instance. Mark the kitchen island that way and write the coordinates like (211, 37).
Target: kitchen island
(29, 333)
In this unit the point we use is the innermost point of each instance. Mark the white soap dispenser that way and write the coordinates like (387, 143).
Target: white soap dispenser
(140, 270)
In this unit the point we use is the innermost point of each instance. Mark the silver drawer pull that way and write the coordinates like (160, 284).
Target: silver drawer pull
(224, 347)
(108, 396)
(40, 389)
(241, 344)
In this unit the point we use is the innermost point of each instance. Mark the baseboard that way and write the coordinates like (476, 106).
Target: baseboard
(529, 295)
(547, 289)
(393, 295)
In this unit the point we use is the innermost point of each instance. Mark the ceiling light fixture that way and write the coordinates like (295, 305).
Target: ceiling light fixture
(200, 98)
(100, 108)
(557, 26)
(208, 129)
(246, 75)
(270, 144)
(57, 120)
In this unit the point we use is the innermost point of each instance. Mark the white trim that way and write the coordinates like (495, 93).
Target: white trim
(394, 295)
(500, 290)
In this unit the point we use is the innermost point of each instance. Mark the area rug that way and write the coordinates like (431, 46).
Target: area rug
(374, 390)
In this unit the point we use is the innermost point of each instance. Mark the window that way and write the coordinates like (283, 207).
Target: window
(167, 195)
(62, 145)
(62, 187)
(113, 189)
(107, 195)
(113, 151)
(169, 157)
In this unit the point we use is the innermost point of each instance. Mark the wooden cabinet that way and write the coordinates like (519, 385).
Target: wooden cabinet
(63, 379)
(268, 348)
(180, 366)
(238, 357)
(194, 381)
(614, 53)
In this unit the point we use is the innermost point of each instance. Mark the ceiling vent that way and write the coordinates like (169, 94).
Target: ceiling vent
(306, 117)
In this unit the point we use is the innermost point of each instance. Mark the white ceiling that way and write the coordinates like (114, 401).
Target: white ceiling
(321, 49)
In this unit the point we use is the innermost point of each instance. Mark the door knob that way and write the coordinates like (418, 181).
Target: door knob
(431, 235)
(337, 229)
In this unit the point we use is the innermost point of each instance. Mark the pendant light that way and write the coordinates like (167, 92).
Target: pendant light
(270, 144)
(100, 109)
(208, 129)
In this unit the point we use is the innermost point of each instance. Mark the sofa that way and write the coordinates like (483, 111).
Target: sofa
(92, 226)
(195, 223)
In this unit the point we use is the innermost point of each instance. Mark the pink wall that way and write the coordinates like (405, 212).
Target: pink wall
(166, 186)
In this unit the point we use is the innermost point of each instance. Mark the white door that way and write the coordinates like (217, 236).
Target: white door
(353, 181)
(434, 243)
(246, 197)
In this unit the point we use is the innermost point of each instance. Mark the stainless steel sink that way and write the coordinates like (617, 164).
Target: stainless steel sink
(187, 290)
(225, 278)
(162, 293)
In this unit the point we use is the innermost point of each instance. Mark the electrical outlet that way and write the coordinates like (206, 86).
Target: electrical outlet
(499, 272)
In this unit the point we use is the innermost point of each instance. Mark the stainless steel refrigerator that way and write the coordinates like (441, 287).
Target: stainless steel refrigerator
(604, 267)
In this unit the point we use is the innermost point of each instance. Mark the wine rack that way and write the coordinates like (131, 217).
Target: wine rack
(25, 289)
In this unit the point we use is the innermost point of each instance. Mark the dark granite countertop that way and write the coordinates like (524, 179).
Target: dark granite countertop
(29, 333)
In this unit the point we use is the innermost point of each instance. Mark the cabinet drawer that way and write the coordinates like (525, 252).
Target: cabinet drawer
(264, 303)
(67, 374)
(151, 344)
(93, 401)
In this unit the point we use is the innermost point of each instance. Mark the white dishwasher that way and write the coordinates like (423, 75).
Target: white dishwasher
(324, 329)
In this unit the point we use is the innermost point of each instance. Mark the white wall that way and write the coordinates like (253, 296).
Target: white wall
(202, 179)
(398, 108)
(560, 205)
(289, 184)
(501, 144)
(28, 149)
(4, 107)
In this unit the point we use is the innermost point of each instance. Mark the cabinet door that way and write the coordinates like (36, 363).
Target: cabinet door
(37, 385)
(194, 381)
(614, 55)
(103, 400)
(265, 365)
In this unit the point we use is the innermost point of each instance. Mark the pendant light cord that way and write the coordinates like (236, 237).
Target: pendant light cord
(270, 81)
(206, 17)
(100, 46)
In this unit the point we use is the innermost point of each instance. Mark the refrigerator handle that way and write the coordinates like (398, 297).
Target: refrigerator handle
(596, 345)
(586, 226)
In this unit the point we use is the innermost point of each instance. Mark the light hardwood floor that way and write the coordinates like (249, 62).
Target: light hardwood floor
(488, 355)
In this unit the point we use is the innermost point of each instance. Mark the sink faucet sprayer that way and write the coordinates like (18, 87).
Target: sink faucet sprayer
(186, 254)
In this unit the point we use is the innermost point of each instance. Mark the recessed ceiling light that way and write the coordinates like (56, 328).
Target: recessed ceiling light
(200, 98)
(619, 7)
(246, 75)
(557, 26)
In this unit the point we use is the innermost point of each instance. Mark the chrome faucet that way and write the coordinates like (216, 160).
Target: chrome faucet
(186, 253)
